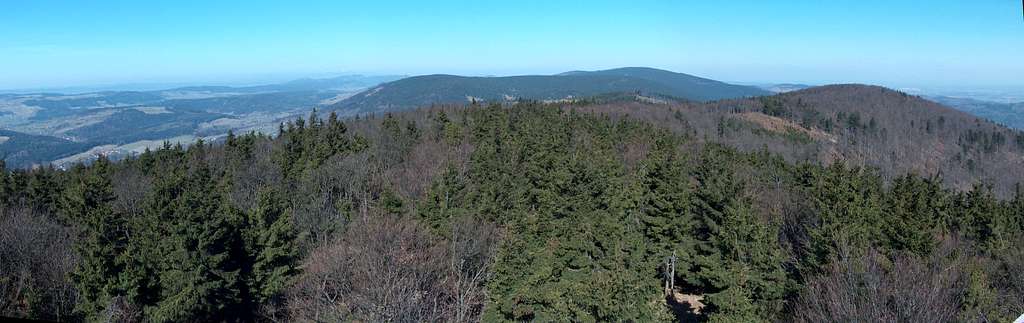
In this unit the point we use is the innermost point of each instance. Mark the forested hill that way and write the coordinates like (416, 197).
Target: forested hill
(69, 128)
(21, 148)
(855, 124)
(900, 133)
(425, 90)
(683, 85)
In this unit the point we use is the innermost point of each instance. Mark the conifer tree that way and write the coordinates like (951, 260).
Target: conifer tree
(915, 209)
(336, 135)
(444, 201)
(848, 202)
(87, 202)
(197, 279)
(43, 189)
(738, 262)
(270, 246)
(1016, 209)
(982, 218)
(665, 206)
(5, 187)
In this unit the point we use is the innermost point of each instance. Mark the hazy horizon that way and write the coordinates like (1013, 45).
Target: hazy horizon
(54, 44)
(1006, 94)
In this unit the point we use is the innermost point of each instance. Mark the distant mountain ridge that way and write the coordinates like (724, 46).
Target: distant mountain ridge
(417, 91)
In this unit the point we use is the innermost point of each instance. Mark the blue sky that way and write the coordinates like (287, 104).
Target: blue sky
(957, 44)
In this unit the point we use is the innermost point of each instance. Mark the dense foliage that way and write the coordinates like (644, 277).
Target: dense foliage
(501, 213)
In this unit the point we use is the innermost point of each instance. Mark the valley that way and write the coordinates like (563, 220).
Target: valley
(120, 123)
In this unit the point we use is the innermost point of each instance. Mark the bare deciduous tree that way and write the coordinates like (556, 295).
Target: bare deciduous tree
(472, 245)
(872, 287)
(391, 269)
(384, 269)
(35, 260)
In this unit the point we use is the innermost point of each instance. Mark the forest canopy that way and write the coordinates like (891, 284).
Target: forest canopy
(585, 211)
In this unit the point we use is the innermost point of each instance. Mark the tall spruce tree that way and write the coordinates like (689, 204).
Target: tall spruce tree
(43, 190)
(738, 263)
(269, 235)
(103, 237)
(445, 201)
(982, 217)
(665, 207)
(916, 209)
(1016, 209)
(196, 229)
(5, 189)
(848, 202)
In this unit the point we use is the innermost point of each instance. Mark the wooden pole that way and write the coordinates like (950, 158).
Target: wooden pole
(666, 279)
(672, 277)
